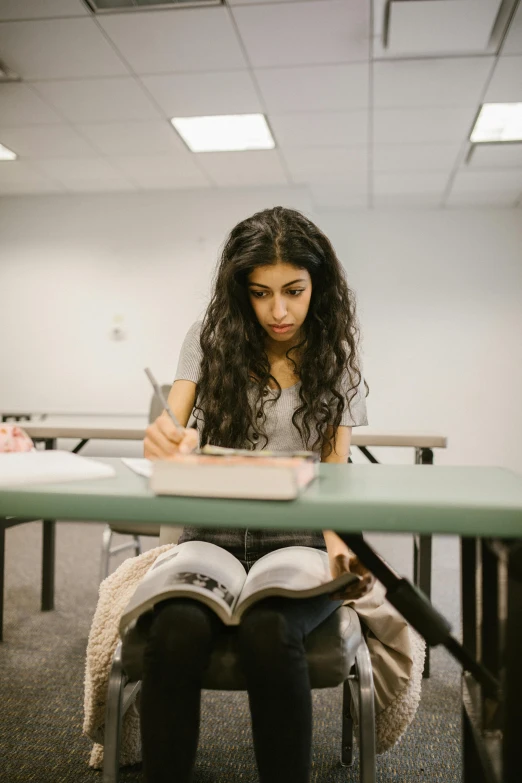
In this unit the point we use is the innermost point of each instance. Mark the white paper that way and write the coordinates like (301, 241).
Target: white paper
(141, 466)
(51, 466)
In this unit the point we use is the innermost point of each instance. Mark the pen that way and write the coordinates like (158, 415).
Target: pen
(161, 397)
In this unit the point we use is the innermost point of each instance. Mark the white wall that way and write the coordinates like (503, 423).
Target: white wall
(439, 301)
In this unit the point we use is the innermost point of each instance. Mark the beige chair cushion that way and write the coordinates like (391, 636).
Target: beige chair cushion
(330, 651)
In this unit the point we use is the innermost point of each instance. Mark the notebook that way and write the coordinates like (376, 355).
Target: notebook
(45, 467)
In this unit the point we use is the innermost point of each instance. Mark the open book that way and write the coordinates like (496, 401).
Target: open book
(210, 574)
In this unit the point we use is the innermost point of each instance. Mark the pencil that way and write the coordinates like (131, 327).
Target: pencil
(161, 398)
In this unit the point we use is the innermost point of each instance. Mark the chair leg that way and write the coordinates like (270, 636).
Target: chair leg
(106, 552)
(347, 730)
(113, 718)
(363, 667)
(137, 545)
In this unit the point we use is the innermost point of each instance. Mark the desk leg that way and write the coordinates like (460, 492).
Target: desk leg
(422, 553)
(48, 559)
(513, 672)
(48, 553)
(2, 575)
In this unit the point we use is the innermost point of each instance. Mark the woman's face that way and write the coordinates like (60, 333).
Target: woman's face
(280, 295)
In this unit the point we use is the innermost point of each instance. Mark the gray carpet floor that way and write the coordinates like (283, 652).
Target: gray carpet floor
(42, 667)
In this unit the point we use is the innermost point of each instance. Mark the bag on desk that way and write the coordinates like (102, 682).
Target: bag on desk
(14, 438)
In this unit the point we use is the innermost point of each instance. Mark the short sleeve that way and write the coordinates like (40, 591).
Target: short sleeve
(189, 362)
(356, 415)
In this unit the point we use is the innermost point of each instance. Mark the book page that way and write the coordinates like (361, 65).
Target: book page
(292, 568)
(192, 568)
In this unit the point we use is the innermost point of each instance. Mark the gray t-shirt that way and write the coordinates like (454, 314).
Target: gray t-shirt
(281, 432)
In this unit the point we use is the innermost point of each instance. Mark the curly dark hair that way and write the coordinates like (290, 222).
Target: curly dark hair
(233, 342)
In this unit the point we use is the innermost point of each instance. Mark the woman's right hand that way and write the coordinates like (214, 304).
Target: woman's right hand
(164, 440)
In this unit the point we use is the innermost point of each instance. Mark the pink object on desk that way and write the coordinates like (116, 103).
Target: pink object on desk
(14, 438)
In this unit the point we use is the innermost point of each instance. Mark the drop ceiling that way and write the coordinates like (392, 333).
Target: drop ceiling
(366, 112)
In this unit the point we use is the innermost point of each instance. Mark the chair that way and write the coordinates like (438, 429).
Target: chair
(134, 529)
(337, 655)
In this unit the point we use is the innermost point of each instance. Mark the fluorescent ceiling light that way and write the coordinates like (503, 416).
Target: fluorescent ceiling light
(225, 133)
(6, 154)
(498, 122)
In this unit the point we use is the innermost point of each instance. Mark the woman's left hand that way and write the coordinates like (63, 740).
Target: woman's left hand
(340, 563)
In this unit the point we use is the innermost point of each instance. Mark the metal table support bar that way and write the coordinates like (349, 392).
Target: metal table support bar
(419, 612)
(421, 543)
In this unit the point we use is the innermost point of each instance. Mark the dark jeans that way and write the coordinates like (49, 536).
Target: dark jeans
(272, 656)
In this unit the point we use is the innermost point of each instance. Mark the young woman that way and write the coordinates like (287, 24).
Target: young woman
(273, 365)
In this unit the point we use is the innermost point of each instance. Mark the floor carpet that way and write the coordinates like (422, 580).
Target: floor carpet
(42, 667)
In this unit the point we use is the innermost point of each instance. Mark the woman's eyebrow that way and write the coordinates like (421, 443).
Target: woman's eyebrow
(292, 282)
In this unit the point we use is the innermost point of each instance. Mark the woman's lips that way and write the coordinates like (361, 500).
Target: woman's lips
(280, 329)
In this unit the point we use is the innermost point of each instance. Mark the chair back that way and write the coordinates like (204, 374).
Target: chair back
(156, 408)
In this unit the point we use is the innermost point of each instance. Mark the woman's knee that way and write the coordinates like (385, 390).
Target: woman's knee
(267, 638)
(182, 631)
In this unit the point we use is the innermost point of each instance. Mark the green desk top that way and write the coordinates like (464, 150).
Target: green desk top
(393, 498)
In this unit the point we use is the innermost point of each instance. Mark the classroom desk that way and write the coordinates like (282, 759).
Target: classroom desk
(110, 427)
(48, 428)
(479, 504)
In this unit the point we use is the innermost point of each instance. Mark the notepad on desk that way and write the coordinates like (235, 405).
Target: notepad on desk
(48, 467)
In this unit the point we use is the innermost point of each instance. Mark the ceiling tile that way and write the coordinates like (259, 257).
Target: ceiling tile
(308, 33)
(58, 48)
(468, 181)
(426, 182)
(157, 173)
(99, 100)
(320, 129)
(436, 82)
(422, 126)
(495, 156)
(86, 174)
(328, 164)
(320, 88)
(513, 41)
(20, 176)
(46, 141)
(197, 39)
(257, 2)
(256, 167)
(415, 157)
(190, 94)
(20, 105)
(506, 84)
(39, 9)
(134, 138)
(453, 27)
